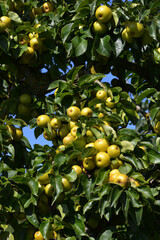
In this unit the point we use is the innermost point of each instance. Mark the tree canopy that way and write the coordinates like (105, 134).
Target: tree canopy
(99, 179)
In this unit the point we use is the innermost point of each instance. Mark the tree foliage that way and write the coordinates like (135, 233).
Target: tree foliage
(50, 61)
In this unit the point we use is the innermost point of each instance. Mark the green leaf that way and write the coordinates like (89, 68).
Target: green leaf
(115, 194)
(126, 146)
(66, 30)
(104, 47)
(109, 131)
(72, 176)
(60, 159)
(153, 156)
(138, 213)
(44, 228)
(144, 94)
(71, 238)
(4, 43)
(125, 168)
(79, 45)
(152, 29)
(87, 79)
(119, 45)
(87, 152)
(33, 184)
(78, 227)
(88, 186)
(107, 235)
(57, 184)
(11, 150)
(14, 17)
(146, 192)
(55, 84)
(73, 72)
(32, 218)
(127, 131)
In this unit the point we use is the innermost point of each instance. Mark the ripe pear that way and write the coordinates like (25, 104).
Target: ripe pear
(18, 134)
(49, 136)
(113, 151)
(43, 120)
(103, 14)
(73, 112)
(87, 112)
(47, 7)
(56, 123)
(77, 169)
(66, 185)
(36, 44)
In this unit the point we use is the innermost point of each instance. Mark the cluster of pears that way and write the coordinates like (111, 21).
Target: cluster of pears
(107, 154)
(5, 22)
(51, 235)
(25, 106)
(35, 44)
(121, 179)
(132, 30)
(46, 8)
(15, 132)
(103, 14)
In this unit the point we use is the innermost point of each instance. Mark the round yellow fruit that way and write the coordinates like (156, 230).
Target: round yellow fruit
(18, 134)
(66, 185)
(113, 175)
(101, 144)
(72, 124)
(44, 179)
(87, 112)
(43, 120)
(73, 112)
(5, 22)
(78, 169)
(56, 123)
(101, 94)
(47, 7)
(49, 190)
(49, 136)
(36, 44)
(122, 180)
(38, 236)
(103, 14)
(63, 131)
(74, 131)
(135, 28)
(61, 148)
(127, 36)
(89, 163)
(109, 103)
(68, 139)
(102, 159)
(89, 133)
(27, 55)
(99, 28)
(113, 151)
